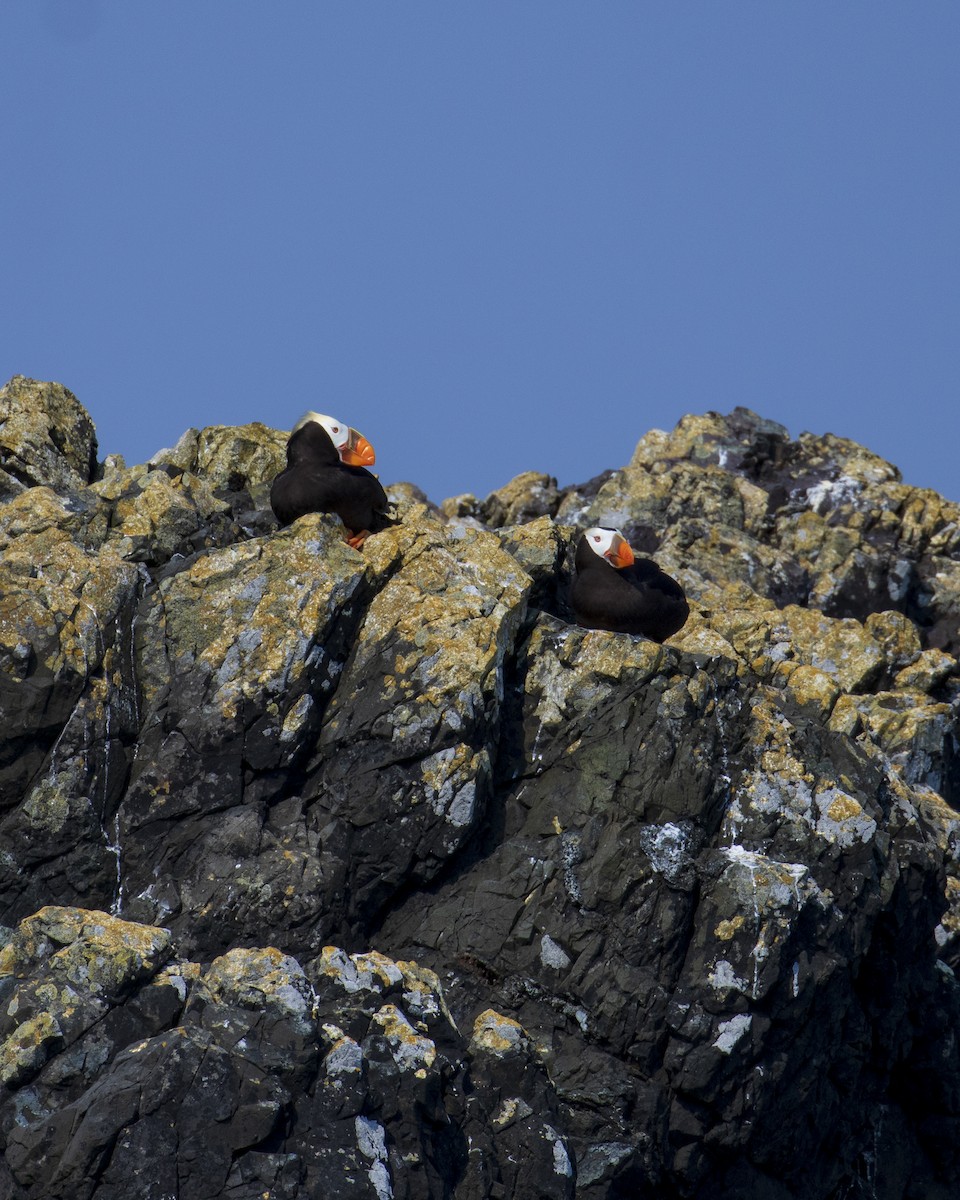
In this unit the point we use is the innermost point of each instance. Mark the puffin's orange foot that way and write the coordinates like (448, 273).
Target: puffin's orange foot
(356, 540)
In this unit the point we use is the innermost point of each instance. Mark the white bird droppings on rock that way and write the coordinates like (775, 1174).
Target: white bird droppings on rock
(732, 1031)
(552, 955)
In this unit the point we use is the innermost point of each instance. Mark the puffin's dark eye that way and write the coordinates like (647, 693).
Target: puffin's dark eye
(596, 539)
(336, 429)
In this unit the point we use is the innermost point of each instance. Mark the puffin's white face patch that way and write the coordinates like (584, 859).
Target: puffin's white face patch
(338, 431)
(601, 541)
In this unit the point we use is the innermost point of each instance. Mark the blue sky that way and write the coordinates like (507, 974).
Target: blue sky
(493, 236)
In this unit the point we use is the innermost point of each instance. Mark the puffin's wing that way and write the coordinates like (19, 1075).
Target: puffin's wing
(644, 572)
(301, 490)
(353, 493)
(665, 602)
(602, 600)
(640, 599)
(363, 504)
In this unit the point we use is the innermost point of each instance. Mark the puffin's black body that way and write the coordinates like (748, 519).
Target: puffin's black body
(639, 598)
(315, 480)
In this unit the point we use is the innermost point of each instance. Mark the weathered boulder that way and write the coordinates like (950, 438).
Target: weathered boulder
(139, 1074)
(229, 458)
(46, 438)
(154, 516)
(525, 498)
(686, 916)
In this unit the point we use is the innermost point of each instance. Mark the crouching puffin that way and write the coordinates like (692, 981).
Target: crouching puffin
(613, 590)
(326, 472)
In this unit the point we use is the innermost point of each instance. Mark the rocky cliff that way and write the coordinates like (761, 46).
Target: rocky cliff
(329, 873)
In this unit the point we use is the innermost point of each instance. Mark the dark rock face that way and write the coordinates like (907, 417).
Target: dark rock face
(369, 875)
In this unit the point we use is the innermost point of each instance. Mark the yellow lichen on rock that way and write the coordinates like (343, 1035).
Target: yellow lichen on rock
(411, 1050)
(25, 1050)
(56, 595)
(68, 967)
(497, 1034)
(812, 688)
(260, 980)
(728, 928)
(153, 515)
(229, 456)
(252, 612)
(47, 434)
(86, 947)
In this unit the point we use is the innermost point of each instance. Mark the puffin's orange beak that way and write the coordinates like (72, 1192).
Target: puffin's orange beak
(357, 452)
(620, 554)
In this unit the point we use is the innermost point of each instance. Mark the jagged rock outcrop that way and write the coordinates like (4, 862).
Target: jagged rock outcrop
(370, 874)
(46, 437)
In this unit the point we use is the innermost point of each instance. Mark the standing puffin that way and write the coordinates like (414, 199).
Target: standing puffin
(613, 590)
(326, 472)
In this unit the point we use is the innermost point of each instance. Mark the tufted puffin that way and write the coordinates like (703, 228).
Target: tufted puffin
(326, 472)
(613, 590)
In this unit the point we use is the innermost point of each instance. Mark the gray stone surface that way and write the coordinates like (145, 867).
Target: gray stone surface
(367, 874)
